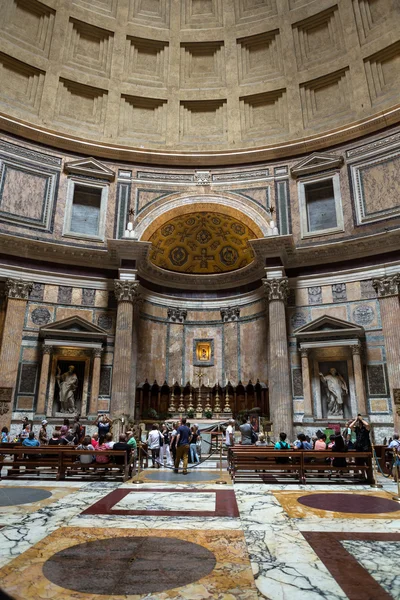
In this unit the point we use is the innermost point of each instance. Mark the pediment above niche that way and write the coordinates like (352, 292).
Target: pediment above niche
(73, 328)
(316, 162)
(89, 167)
(327, 327)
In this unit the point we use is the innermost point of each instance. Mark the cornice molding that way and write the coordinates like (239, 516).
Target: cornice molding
(112, 151)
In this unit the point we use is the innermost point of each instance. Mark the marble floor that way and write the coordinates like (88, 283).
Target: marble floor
(192, 538)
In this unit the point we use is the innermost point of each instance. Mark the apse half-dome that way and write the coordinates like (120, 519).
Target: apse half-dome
(202, 243)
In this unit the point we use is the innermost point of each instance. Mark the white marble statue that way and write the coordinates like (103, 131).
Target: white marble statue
(68, 384)
(336, 389)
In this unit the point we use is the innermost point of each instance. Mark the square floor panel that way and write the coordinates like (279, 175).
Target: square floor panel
(90, 563)
(167, 502)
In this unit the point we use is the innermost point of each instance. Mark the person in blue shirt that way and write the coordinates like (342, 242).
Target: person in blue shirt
(301, 443)
(30, 441)
(183, 434)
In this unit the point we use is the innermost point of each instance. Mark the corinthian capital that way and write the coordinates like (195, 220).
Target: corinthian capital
(126, 291)
(276, 289)
(387, 286)
(177, 315)
(17, 288)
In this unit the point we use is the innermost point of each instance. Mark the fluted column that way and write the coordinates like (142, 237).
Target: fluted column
(280, 395)
(387, 289)
(127, 295)
(44, 379)
(359, 380)
(305, 370)
(17, 292)
(94, 397)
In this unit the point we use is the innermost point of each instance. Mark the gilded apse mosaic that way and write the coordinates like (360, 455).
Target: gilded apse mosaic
(202, 243)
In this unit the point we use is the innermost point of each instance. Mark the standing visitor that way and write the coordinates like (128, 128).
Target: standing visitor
(230, 434)
(245, 431)
(194, 457)
(43, 436)
(165, 449)
(153, 441)
(182, 446)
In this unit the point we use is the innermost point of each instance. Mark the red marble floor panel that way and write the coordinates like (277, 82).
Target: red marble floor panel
(225, 504)
(349, 503)
(355, 581)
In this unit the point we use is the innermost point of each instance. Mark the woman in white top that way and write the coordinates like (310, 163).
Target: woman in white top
(154, 442)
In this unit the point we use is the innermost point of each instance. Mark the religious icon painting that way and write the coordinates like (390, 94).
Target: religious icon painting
(203, 353)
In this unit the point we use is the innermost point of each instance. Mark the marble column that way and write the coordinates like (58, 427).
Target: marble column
(280, 393)
(94, 397)
(123, 392)
(305, 370)
(359, 380)
(387, 289)
(44, 380)
(17, 293)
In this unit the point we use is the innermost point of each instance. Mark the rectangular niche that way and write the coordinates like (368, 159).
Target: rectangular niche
(383, 74)
(370, 17)
(318, 38)
(28, 23)
(376, 376)
(201, 14)
(22, 84)
(27, 378)
(143, 118)
(251, 11)
(202, 65)
(262, 114)
(203, 121)
(101, 7)
(326, 98)
(373, 182)
(27, 194)
(88, 48)
(79, 104)
(259, 57)
(153, 13)
(146, 62)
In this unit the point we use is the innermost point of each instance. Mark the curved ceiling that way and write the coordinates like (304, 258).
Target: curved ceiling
(198, 80)
(202, 243)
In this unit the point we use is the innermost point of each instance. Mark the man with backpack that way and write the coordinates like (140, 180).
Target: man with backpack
(282, 445)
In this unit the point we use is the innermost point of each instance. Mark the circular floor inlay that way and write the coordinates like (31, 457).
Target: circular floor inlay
(22, 495)
(349, 503)
(169, 475)
(129, 565)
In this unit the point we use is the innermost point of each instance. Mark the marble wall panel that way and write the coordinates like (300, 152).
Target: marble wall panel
(253, 350)
(151, 350)
(301, 297)
(64, 294)
(25, 402)
(365, 314)
(253, 309)
(101, 299)
(107, 358)
(175, 352)
(31, 354)
(204, 315)
(212, 332)
(106, 320)
(231, 348)
(50, 294)
(327, 295)
(65, 313)
(37, 292)
(76, 297)
(379, 405)
(374, 353)
(339, 312)
(155, 310)
(353, 290)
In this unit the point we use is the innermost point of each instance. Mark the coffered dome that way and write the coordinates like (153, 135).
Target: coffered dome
(198, 80)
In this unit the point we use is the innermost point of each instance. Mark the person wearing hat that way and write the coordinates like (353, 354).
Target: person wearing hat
(43, 436)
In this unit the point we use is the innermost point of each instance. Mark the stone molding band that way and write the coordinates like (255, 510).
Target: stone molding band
(276, 289)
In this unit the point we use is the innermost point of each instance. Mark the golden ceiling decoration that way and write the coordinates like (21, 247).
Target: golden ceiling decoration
(202, 243)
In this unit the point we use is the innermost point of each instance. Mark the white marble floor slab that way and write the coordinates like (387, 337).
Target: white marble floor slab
(170, 501)
(382, 561)
(155, 522)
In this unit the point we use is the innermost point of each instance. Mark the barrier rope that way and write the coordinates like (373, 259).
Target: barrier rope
(380, 468)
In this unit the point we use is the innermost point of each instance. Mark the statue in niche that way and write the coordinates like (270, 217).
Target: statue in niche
(336, 389)
(68, 384)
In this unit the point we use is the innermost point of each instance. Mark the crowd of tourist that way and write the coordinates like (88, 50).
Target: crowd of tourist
(175, 445)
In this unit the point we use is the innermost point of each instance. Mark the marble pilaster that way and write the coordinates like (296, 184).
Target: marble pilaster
(127, 295)
(305, 369)
(387, 289)
(94, 397)
(44, 379)
(280, 394)
(359, 380)
(17, 293)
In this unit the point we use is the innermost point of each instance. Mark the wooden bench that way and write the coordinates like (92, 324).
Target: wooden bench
(245, 464)
(61, 461)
